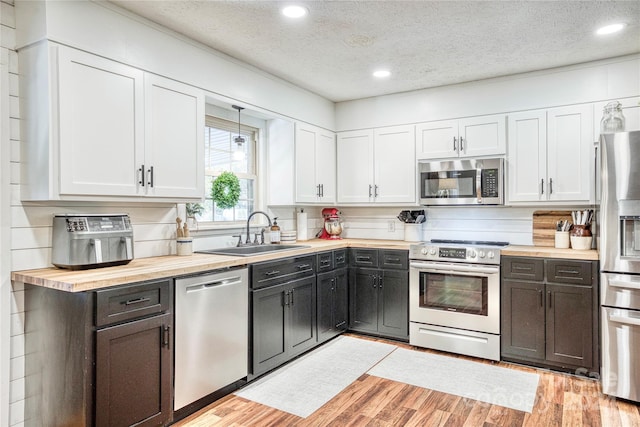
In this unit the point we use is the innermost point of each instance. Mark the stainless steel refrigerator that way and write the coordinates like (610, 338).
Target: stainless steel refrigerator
(620, 264)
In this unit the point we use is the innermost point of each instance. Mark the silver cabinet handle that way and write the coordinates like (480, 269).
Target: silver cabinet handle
(142, 172)
(550, 185)
(150, 176)
(455, 146)
(137, 301)
(375, 191)
(542, 186)
(461, 144)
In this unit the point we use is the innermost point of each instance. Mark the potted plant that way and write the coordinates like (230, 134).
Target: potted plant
(193, 209)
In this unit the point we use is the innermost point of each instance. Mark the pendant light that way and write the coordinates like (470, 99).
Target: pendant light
(238, 153)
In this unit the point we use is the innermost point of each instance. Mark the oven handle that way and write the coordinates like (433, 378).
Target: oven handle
(460, 269)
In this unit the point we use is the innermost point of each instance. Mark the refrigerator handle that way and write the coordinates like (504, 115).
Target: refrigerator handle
(622, 318)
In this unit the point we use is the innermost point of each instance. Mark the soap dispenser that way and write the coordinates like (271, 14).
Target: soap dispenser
(275, 232)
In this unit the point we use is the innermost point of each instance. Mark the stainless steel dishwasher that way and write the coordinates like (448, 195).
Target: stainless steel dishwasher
(211, 333)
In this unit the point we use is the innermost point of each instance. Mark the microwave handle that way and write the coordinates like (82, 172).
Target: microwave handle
(479, 185)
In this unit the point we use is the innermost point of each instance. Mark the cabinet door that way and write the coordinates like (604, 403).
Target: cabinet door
(268, 334)
(355, 166)
(569, 153)
(133, 364)
(363, 299)
(301, 300)
(325, 157)
(341, 300)
(174, 139)
(307, 190)
(326, 291)
(436, 140)
(395, 165)
(482, 136)
(101, 126)
(523, 316)
(569, 325)
(393, 303)
(527, 158)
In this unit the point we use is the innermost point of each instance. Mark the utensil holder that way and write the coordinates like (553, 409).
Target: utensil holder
(184, 246)
(581, 243)
(562, 240)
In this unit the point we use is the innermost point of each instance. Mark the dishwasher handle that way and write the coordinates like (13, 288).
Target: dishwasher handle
(202, 286)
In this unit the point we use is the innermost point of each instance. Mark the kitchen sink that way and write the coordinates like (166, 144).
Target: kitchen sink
(251, 250)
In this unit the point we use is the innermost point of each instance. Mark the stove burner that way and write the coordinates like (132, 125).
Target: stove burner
(470, 242)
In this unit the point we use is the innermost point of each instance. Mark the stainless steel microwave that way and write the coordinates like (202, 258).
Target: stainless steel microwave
(462, 182)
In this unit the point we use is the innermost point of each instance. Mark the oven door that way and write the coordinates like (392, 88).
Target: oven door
(463, 296)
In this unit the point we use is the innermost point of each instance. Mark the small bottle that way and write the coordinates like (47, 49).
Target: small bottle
(275, 232)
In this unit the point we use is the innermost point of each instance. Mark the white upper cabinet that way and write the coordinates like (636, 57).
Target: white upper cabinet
(377, 166)
(550, 155)
(527, 159)
(315, 165)
(96, 129)
(469, 137)
(101, 137)
(174, 143)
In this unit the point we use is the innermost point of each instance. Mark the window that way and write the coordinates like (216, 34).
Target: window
(222, 153)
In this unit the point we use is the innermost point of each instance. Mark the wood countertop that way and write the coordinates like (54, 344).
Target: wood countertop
(549, 252)
(142, 269)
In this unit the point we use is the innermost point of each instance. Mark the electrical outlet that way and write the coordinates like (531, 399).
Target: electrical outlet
(391, 226)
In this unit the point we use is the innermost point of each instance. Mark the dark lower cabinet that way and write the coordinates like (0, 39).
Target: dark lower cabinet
(333, 293)
(379, 298)
(283, 322)
(99, 358)
(523, 320)
(133, 364)
(570, 335)
(550, 313)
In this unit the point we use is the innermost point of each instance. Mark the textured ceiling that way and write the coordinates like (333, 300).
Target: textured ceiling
(334, 49)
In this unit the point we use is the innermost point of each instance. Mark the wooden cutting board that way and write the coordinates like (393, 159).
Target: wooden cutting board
(544, 226)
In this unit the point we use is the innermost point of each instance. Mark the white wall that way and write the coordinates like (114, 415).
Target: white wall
(597, 81)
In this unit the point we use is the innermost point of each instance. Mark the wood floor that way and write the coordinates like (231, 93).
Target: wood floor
(562, 400)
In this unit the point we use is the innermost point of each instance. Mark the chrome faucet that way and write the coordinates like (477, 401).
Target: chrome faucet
(248, 241)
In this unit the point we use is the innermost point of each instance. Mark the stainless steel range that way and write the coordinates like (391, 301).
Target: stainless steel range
(454, 297)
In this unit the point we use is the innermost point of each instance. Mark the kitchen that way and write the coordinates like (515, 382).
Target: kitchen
(31, 223)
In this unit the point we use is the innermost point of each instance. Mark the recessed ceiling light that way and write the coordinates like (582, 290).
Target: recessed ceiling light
(610, 29)
(381, 74)
(294, 11)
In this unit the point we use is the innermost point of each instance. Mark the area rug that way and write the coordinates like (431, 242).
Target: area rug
(304, 385)
(479, 381)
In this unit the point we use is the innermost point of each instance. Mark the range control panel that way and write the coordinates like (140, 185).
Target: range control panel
(455, 252)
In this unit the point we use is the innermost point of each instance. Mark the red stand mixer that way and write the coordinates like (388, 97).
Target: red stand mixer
(332, 225)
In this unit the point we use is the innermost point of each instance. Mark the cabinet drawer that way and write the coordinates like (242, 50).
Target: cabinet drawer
(364, 257)
(324, 261)
(522, 268)
(394, 259)
(340, 258)
(282, 270)
(132, 301)
(569, 271)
